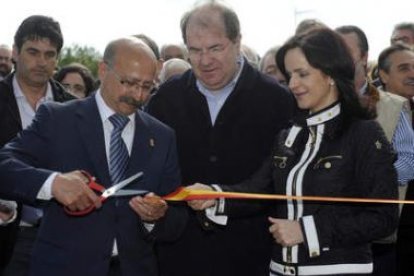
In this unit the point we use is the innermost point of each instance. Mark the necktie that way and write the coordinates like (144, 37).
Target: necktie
(118, 152)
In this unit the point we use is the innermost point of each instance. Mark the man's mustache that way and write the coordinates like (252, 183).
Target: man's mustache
(131, 101)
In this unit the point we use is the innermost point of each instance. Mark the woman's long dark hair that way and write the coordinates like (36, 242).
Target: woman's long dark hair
(325, 50)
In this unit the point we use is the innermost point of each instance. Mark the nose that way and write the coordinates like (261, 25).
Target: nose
(292, 83)
(205, 57)
(41, 60)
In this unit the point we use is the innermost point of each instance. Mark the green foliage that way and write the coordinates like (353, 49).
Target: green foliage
(87, 56)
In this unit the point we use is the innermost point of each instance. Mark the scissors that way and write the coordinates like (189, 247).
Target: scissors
(115, 190)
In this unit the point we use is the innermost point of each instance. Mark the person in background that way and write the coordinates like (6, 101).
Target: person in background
(6, 63)
(396, 71)
(169, 51)
(307, 25)
(173, 67)
(332, 149)
(225, 114)
(155, 49)
(251, 55)
(77, 79)
(37, 44)
(269, 67)
(393, 114)
(108, 137)
(403, 33)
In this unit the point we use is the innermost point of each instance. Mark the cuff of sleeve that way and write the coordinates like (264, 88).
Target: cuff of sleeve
(12, 205)
(45, 193)
(149, 226)
(216, 212)
(311, 236)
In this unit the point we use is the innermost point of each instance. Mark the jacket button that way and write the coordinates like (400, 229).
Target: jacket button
(206, 224)
(314, 254)
(213, 158)
(328, 165)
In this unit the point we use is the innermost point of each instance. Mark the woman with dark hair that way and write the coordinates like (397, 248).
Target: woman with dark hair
(77, 79)
(332, 149)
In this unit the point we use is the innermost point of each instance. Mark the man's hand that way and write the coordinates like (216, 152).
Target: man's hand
(150, 207)
(71, 190)
(200, 204)
(7, 209)
(286, 232)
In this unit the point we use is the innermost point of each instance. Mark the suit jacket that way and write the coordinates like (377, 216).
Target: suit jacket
(10, 125)
(67, 137)
(226, 153)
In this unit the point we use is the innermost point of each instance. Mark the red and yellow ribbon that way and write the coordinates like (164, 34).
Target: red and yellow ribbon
(184, 194)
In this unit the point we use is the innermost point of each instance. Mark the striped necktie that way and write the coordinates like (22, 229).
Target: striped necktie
(118, 152)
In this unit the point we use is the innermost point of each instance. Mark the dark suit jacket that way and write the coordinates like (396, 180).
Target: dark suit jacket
(10, 125)
(225, 153)
(67, 137)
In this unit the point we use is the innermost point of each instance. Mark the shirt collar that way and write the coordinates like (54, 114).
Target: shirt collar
(18, 93)
(105, 111)
(324, 115)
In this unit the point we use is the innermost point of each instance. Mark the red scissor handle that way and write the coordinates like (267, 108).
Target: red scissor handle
(95, 187)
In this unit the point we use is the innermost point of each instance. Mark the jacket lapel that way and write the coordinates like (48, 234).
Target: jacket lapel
(142, 146)
(90, 128)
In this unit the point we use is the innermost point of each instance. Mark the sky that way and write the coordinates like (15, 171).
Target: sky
(264, 23)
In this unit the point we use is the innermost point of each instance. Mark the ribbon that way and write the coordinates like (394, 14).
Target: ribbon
(184, 194)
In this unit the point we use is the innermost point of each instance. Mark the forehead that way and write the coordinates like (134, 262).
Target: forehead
(41, 44)
(401, 57)
(295, 58)
(5, 52)
(207, 26)
(402, 32)
(135, 64)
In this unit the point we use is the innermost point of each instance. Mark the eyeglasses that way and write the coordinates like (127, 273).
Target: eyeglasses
(214, 51)
(129, 84)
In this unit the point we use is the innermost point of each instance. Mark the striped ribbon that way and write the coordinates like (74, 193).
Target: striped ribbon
(184, 194)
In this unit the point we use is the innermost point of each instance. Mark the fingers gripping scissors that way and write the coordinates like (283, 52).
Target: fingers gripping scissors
(114, 190)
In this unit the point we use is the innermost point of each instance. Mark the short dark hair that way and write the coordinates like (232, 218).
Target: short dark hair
(229, 16)
(326, 51)
(362, 38)
(383, 59)
(38, 27)
(83, 71)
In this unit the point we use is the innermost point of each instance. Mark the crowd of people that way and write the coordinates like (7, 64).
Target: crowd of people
(310, 117)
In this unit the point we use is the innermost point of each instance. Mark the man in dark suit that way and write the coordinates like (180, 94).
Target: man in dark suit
(67, 138)
(226, 115)
(37, 44)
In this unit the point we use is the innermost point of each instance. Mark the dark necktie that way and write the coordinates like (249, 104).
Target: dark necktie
(118, 152)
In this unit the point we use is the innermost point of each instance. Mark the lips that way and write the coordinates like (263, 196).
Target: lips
(409, 82)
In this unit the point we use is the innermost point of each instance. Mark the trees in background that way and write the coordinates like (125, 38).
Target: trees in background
(88, 56)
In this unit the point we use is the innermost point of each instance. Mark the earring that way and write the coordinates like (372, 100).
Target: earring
(332, 83)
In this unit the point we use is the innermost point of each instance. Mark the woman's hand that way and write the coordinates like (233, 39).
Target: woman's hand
(200, 204)
(286, 232)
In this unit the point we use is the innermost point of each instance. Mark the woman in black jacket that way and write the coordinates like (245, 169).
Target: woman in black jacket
(331, 149)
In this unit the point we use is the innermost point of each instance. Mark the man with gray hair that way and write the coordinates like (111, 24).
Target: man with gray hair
(403, 33)
(6, 64)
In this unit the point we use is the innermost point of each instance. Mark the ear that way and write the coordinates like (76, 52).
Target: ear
(383, 77)
(15, 53)
(102, 70)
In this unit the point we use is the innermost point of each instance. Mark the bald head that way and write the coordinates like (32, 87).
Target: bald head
(127, 74)
(127, 46)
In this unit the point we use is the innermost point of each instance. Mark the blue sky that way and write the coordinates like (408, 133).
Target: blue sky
(264, 23)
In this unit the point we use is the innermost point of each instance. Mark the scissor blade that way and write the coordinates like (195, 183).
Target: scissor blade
(110, 191)
(130, 192)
